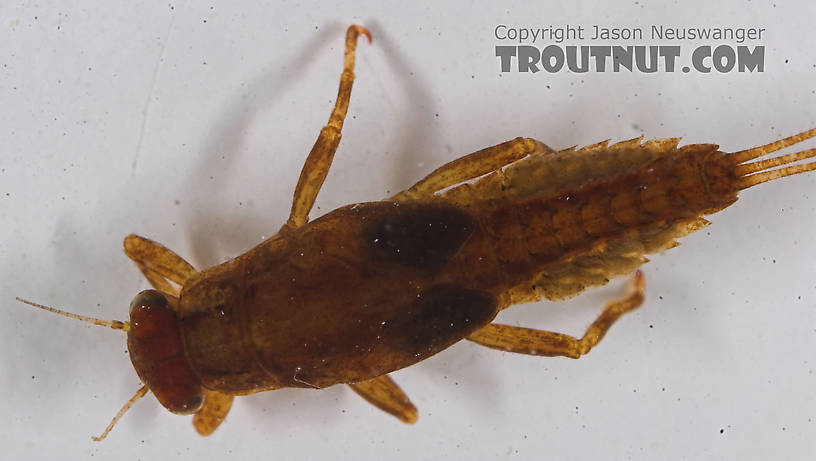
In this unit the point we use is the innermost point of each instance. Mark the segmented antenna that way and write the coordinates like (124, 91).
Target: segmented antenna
(115, 324)
(139, 394)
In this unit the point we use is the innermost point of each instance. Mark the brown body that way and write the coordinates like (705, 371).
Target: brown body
(371, 288)
(374, 287)
(327, 304)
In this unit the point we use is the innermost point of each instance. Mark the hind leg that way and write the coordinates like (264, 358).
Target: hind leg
(546, 343)
(474, 165)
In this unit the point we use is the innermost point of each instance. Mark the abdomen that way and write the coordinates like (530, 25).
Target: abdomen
(554, 246)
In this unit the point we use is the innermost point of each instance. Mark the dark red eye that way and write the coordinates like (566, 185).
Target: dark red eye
(157, 353)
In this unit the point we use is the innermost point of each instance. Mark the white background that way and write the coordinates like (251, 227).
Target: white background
(188, 123)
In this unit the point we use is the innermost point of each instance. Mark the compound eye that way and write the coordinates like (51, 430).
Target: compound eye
(146, 310)
(148, 299)
(157, 353)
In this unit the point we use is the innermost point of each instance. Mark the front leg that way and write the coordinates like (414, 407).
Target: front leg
(159, 264)
(212, 413)
(320, 158)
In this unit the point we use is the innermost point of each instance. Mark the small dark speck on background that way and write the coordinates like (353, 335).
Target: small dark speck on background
(722, 430)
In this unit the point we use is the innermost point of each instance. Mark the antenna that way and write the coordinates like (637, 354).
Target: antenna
(115, 324)
(139, 394)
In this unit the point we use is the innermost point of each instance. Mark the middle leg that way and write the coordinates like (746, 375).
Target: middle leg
(385, 394)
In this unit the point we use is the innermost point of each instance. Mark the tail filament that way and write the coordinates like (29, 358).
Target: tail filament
(760, 171)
